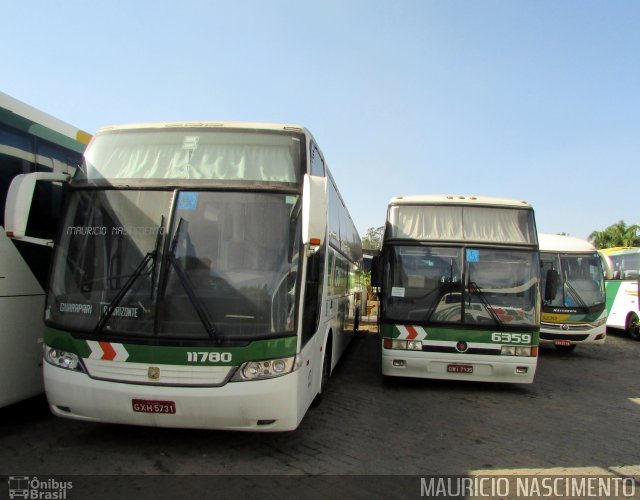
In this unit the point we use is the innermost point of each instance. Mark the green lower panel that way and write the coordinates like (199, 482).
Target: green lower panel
(454, 334)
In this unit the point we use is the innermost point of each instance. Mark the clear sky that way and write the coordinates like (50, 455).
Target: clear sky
(536, 100)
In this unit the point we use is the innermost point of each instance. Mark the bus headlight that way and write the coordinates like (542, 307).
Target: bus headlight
(62, 359)
(599, 322)
(268, 368)
(517, 350)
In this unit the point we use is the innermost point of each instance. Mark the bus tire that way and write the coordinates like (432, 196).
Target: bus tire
(326, 373)
(633, 326)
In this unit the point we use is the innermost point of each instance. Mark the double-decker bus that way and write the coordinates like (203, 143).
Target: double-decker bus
(460, 289)
(206, 275)
(31, 141)
(622, 269)
(574, 311)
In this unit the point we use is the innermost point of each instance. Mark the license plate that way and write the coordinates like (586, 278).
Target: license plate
(460, 368)
(562, 342)
(152, 406)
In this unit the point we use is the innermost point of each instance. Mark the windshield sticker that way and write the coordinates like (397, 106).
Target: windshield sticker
(188, 200)
(66, 307)
(397, 291)
(473, 255)
(134, 312)
(190, 142)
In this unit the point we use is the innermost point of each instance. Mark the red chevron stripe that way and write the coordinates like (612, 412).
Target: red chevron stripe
(412, 332)
(109, 352)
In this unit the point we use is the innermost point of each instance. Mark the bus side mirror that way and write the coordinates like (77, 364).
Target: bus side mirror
(20, 201)
(314, 211)
(375, 271)
(551, 287)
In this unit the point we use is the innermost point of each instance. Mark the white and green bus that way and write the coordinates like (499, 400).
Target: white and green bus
(460, 289)
(574, 311)
(206, 275)
(31, 142)
(622, 269)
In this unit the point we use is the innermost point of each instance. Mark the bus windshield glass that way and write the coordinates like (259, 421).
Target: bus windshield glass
(426, 284)
(581, 282)
(226, 270)
(193, 153)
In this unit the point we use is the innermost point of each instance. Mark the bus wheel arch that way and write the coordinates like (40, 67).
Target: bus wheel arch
(325, 373)
(632, 326)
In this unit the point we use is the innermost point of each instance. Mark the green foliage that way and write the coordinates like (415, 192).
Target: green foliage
(373, 239)
(617, 235)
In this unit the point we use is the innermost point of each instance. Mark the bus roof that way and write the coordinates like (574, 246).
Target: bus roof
(39, 123)
(236, 125)
(448, 199)
(561, 243)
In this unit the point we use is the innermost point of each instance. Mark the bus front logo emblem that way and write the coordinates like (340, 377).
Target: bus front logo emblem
(153, 373)
(461, 346)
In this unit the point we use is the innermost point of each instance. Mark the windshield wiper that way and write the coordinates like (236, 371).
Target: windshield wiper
(474, 288)
(574, 293)
(152, 255)
(188, 287)
(154, 267)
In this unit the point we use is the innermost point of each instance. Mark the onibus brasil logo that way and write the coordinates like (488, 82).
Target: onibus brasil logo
(38, 489)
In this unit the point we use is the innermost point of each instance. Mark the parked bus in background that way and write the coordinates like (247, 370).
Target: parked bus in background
(576, 313)
(460, 289)
(622, 269)
(30, 141)
(207, 275)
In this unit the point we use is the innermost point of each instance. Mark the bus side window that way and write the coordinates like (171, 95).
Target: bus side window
(317, 163)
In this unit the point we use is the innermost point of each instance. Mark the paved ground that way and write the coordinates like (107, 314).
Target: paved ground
(581, 414)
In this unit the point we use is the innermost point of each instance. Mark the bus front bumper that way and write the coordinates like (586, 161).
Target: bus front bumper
(550, 333)
(468, 367)
(263, 405)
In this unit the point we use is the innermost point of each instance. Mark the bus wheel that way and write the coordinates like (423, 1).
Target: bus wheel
(566, 348)
(633, 326)
(326, 373)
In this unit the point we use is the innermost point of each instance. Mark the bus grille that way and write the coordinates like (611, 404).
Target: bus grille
(147, 373)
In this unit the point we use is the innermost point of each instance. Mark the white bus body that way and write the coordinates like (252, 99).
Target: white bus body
(622, 267)
(576, 314)
(207, 275)
(30, 141)
(460, 282)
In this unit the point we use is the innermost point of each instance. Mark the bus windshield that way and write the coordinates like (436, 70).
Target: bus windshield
(228, 265)
(581, 280)
(426, 284)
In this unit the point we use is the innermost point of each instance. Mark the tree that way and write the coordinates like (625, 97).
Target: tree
(617, 235)
(373, 239)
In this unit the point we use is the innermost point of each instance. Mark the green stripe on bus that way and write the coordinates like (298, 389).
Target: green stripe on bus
(142, 353)
(612, 288)
(455, 333)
